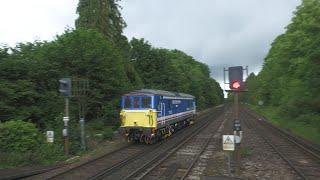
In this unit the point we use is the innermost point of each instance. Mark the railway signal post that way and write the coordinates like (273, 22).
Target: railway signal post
(78, 88)
(65, 130)
(80, 91)
(236, 85)
(65, 91)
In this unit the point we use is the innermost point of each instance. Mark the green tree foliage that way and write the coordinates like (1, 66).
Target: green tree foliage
(104, 16)
(173, 70)
(22, 144)
(101, 15)
(18, 136)
(3, 53)
(290, 78)
(97, 51)
(30, 74)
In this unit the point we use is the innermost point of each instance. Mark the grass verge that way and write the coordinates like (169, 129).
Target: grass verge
(310, 132)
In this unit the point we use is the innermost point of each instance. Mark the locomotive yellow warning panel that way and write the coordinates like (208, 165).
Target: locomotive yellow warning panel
(139, 118)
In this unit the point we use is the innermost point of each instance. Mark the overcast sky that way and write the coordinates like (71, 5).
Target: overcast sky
(220, 33)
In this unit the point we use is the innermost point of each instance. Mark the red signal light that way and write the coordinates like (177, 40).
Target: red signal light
(236, 85)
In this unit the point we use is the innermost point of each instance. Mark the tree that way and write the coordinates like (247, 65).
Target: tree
(103, 16)
(174, 70)
(290, 78)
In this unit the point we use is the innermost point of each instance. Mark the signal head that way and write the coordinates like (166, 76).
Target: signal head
(235, 78)
(235, 85)
(65, 87)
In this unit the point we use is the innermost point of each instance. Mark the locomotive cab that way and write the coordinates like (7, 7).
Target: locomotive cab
(137, 116)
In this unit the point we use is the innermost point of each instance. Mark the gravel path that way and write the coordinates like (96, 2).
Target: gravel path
(260, 161)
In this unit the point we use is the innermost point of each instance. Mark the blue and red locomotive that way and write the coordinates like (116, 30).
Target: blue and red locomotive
(148, 115)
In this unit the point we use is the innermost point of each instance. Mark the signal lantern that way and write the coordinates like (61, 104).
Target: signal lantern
(236, 78)
(235, 85)
(65, 87)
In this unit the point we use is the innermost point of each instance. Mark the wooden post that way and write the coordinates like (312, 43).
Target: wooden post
(66, 136)
(237, 133)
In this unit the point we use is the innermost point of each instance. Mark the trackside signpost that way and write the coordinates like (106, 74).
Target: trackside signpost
(50, 136)
(236, 85)
(65, 90)
(228, 145)
(228, 142)
(74, 88)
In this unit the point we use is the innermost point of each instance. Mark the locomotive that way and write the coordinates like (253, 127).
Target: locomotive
(148, 115)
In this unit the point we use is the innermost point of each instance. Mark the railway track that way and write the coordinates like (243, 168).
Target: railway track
(13, 174)
(301, 156)
(179, 161)
(143, 162)
(108, 162)
(114, 162)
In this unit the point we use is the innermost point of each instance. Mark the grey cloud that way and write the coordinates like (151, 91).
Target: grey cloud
(220, 33)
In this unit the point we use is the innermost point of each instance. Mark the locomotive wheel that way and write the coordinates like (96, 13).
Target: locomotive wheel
(142, 138)
(149, 140)
(172, 129)
(129, 140)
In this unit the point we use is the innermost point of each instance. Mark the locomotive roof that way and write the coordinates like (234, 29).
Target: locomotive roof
(159, 92)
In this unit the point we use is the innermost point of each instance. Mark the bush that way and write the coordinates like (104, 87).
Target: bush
(22, 144)
(45, 154)
(108, 133)
(97, 125)
(49, 153)
(18, 136)
(13, 159)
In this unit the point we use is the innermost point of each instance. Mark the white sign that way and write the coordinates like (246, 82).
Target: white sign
(228, 142)
(50, 136)
(66, 118)
(238, 139)
(64, 132)
(176, 101)
(260, 103)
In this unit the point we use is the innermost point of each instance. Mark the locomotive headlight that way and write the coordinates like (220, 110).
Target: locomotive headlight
(122, 117)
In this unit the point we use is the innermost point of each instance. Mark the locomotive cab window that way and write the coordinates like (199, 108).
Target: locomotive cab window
(190, 104)
(136, 102)
(127, 102)
(170, 104)
(146, 102)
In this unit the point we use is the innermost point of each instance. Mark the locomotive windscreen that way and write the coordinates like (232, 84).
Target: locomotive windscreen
(136, 102)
